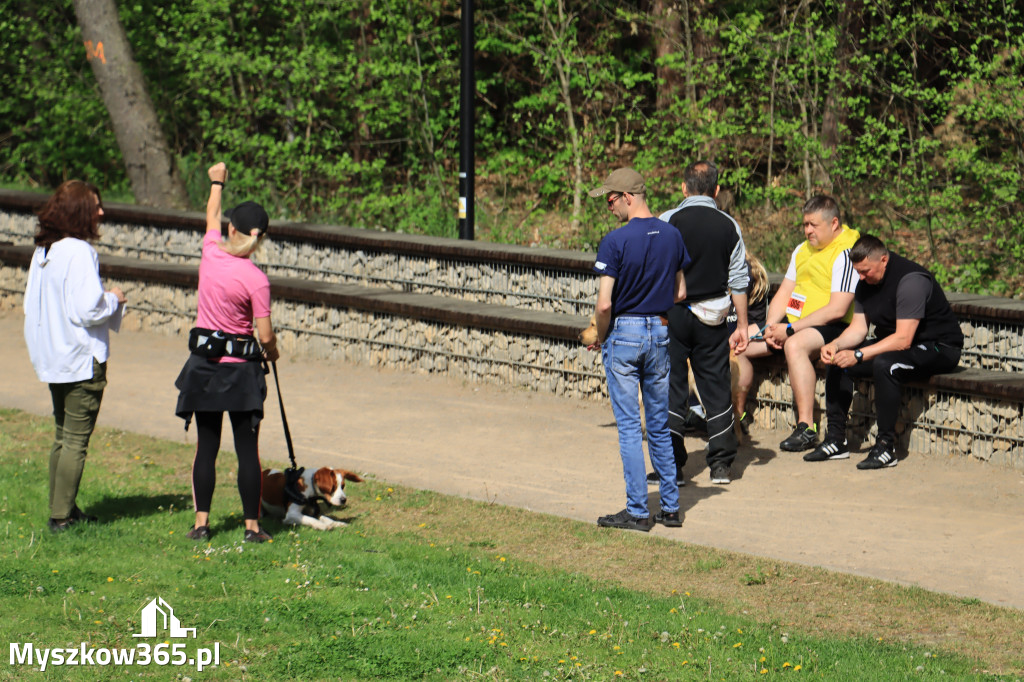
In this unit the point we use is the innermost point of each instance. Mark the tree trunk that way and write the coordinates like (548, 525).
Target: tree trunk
(668, 39)
(147, 157)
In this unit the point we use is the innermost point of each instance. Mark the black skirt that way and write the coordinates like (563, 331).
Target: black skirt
(206, 385)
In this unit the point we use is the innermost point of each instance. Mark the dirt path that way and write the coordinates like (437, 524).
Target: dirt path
(941, 524)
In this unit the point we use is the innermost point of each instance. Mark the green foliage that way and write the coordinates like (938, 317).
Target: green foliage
(346, 111)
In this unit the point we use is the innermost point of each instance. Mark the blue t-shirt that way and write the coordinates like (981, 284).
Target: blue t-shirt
(643, 256)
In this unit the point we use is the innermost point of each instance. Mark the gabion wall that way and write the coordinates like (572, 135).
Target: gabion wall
(988, 345)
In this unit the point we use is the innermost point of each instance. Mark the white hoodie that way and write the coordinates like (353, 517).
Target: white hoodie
(68, 316)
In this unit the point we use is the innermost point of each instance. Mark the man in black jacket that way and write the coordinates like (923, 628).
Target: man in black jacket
(916, 335)
(716, 279)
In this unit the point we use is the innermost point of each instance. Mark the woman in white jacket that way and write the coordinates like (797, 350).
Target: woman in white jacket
(68, 318)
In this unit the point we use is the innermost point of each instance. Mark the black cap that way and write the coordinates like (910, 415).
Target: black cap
(248, 216)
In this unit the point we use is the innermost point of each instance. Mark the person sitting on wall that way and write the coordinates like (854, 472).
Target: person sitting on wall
(916, 336)
(816, 301)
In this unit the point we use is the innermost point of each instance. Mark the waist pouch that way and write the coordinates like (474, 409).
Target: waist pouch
(213, 343)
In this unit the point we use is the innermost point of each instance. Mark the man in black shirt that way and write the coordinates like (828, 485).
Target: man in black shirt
(916, 335)
(716, 279)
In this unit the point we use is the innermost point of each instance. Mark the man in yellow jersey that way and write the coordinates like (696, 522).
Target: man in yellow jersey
(812, 307)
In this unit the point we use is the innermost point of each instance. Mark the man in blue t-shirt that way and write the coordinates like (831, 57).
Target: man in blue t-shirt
(641, 268)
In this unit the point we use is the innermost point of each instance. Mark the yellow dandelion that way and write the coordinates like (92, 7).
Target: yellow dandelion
(737, 645)
(501, 558)
(672, 610)
(391, 490)
(423, 525)
(561, 660)
(686, 593)
(98, 622)
(787, 664)
(798, 667)
(109, 579)
(378, 498)
(764, 671)
(616, 647)
(56, 571)
(618, 673)
(675, 644)
(592, 632)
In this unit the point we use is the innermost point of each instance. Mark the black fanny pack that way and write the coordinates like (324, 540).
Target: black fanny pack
(213, 343)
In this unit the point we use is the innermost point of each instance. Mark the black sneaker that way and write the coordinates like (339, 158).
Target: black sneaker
(668, 519)
(720, 475)
(746, 421)
(200, 533)
(78, 515)
(832, 448)
(59, 525)
(626, 520)
(880, 456)
(258, 536)
(654, 478)
(804, 437)
(694, 423)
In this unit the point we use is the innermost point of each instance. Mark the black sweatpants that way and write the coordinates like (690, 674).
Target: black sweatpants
(889, 371)
(204, 468)
(707, 349)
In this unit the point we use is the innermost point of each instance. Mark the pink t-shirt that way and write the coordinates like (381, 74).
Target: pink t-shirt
(232, 290)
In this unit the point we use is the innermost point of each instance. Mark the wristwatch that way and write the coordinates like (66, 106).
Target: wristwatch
(789, 329)
(859, 354)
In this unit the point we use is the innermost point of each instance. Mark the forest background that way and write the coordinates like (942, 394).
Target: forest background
(346, 112)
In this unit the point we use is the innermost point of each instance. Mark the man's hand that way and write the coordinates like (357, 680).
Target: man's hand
(775, 335)
(738, 340)
(828, 352)
(844, 359)
(116, 291)
(218, 172)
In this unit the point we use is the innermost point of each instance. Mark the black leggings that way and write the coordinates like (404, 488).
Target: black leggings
(204, 468)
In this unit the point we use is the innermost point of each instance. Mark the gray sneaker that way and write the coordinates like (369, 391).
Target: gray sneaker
(720, 475)
(832, 448)
(654, 478)
(626, 520)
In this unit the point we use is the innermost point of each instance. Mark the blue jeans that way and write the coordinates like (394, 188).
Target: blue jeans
(635, 356)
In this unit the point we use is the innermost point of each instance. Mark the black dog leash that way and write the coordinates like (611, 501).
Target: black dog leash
(292, 475)
(284, 419)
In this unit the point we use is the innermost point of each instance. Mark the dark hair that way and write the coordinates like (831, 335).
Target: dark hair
(867, 247)
(701, 178)
(70, 212)
(823, 204)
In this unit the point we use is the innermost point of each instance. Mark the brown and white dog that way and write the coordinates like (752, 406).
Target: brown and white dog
(311, 486)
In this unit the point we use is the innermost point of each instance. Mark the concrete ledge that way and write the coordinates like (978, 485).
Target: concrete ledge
(411, 305)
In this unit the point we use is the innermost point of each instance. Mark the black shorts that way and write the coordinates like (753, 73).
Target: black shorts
(829, 332)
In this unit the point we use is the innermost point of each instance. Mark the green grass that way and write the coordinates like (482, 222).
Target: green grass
(423, 586)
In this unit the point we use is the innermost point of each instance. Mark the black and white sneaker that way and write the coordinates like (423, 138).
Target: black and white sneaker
(720, 475)
(832, 448)
(804, 437)
(880, 456)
